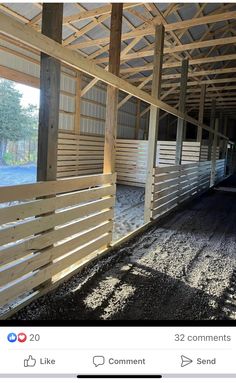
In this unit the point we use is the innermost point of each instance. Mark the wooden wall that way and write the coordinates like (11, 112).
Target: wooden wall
(131, 162)
(174, 184)
(79, 155)
(166, 152)
(83, 154)
(204, 152)
(42, 238)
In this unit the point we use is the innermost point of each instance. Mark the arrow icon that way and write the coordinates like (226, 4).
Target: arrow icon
(185, 361)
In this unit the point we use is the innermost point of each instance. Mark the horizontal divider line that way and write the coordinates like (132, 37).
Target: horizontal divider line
(118, 376)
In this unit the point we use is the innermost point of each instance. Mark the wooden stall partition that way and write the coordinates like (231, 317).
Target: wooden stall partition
(30, 252)
(204, 152)
(166, 152)
(175, 184)
(131, 162)
(220, 170)
(83, 155)
(79, 155)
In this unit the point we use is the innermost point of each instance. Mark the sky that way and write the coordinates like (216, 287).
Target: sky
(30, 95)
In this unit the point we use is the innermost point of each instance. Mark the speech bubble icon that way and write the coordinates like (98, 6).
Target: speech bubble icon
(98, 360)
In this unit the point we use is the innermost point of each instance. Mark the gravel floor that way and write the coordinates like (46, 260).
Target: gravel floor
(129, 210)
(182, 268)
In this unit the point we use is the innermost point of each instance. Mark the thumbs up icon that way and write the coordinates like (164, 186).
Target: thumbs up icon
(30, 362)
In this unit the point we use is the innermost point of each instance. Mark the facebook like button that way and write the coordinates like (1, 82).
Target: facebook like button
(12, 337)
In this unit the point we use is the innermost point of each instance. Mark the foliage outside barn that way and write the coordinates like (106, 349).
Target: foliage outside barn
(18, 127)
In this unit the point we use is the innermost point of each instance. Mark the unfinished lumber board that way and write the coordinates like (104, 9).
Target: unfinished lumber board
(154, 118)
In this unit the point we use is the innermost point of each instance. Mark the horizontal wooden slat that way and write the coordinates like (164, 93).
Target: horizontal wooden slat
(38, 260)
(37, 225)
(23, 192)
(41, 237)
(42, 206)
(173, 185)
(42, 275)
(36, 243)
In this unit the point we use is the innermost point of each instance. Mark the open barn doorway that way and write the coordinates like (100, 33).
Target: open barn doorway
(19, 106)
(129, 210)
(131, 170)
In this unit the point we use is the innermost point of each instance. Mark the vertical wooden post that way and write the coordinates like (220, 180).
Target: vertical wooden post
(154, 118)
(182, 103)
(212, 126)
(185, 131)
(220, 130)
(77, 103)
(221, 122)
(201, 112)
(225, 149)
(225, 125)
(112, 93)
(226, 157)
(145, 132)
(214, 147)
(138, 121)
(50, 72)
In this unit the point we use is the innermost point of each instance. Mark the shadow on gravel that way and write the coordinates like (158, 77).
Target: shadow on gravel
(145, 294)
(229, 299)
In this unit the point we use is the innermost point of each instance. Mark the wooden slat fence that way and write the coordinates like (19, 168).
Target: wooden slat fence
(220, 170)
(166, 152)
(131, 162)
(83, 155)
(175, 184)
(79, 155)
(48, 229)
(204, 153)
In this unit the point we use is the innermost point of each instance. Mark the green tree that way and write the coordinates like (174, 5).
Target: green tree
(16, 122)
(30, 122)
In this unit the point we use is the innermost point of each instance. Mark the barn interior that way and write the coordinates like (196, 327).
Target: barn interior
(130, 212)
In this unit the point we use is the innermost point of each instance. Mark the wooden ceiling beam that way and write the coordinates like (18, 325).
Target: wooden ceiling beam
(198, 44)
(85, 29)
(190, 74)
(155, 10)
(88, 14)
(177, 64)
(146, 29)
(25, 34)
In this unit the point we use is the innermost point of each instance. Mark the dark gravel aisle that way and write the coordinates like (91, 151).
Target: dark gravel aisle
(183, 268)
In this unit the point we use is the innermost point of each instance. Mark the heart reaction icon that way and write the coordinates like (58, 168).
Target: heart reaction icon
(22, 337)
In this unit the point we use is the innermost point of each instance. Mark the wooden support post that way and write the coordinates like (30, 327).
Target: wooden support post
(220, 130)
(154, 118)
(145, 132)
(182, 102)
(77, 103)
(212, 125)
(221, 122)
(225, 126)
(200, 117)
(185, 131)
(214, 147)
(226, 157)
(138, 119)
(112, 92)
(50, 72)
(225, 148)
(201, 112)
